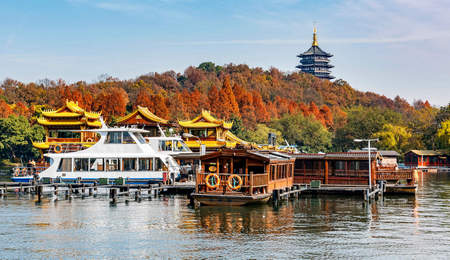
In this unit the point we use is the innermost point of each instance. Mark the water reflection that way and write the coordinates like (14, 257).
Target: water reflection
(313, 226)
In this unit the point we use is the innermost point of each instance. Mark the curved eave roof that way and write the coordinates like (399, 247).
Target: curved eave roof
(210, 121)
(43, 121)
(315, 50)
(60, 114)
(75, 111)
(234, 138)
(145, 113)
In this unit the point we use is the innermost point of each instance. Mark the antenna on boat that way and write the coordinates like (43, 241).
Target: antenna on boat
(160, 130)
(103, 123)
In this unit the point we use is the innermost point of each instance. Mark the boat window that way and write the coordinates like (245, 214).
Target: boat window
(65, 165)
(165, 145)
(145, 164)
(198, 132)
(140, 138)
(272, 172)
(81, 164)
(159, 165)
(112, 164)
(127, 139)
(340, 165)
(96, 165)
(114, 138)
(180, 146)
(129, 164)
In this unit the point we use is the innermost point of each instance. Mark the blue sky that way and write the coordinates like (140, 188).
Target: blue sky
(392, 47)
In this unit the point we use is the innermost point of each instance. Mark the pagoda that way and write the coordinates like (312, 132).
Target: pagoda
(211, 132)
(142, 117)
(61, 127)
(315, 61)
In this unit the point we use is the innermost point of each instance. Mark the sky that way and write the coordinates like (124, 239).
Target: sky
(391, 47)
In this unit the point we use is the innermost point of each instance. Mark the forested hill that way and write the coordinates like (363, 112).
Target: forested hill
(317, 115)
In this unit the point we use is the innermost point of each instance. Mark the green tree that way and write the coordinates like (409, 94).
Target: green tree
(207, 66)
(261, 133)
(443, 135)
(394, 137)
(16, 136)
(306, 132)
(363, 122)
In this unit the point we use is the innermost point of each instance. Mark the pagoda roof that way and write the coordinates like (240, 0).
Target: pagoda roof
(46, 122)
(205, 120)
(71, 109)
(144, 112)
(315, 50)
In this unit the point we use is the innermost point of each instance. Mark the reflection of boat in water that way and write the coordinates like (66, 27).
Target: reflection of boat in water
(239, 177)
(119, 153)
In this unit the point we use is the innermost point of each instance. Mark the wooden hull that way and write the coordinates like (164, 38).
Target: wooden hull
(401, 189)
(229, 200)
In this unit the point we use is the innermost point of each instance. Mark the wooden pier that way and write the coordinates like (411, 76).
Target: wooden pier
(117, 193)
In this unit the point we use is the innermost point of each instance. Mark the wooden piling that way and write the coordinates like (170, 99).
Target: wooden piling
(39, 193)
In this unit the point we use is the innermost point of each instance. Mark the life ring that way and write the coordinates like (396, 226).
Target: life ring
(211, 183)
(234, 182)
(57, 148)
(89, 140)
(212, 168)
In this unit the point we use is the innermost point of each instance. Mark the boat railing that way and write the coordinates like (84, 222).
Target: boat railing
(403, 174)
(350, 173)
(249, 181)
(27, 171)
(65, 147)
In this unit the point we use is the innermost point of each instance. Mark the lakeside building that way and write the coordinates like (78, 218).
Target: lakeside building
(352, 168)
(388, 159)
(427, 158)
(141, 117)
(59, 126)
(315, 61)
(211, 132)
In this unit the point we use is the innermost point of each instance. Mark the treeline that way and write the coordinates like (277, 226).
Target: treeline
(317, 115)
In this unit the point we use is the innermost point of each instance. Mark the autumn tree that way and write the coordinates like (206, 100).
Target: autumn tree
(112, 102)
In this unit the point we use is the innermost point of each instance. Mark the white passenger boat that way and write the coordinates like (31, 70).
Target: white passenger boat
(119, 153)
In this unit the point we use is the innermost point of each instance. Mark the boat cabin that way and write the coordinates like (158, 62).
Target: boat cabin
(238, 176)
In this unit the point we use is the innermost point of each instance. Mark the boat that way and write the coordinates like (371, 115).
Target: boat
(120, 154)
(236, 177)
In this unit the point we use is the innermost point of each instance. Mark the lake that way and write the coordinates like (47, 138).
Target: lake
(310, 227)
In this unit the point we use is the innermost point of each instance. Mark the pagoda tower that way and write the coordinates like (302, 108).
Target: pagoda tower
(315, 61)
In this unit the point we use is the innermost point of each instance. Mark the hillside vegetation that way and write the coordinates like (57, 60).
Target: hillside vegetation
(317, 115)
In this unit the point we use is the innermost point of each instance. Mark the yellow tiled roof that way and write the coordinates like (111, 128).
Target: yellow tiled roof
(211, 144)
(146, 113)
(76, 111)
(60, 114)
(236, 139)
(210, 121)
(43, 121)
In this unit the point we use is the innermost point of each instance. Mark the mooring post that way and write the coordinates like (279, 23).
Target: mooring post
(90, 192)
(113, 195)
(39, 193)
(275, 196)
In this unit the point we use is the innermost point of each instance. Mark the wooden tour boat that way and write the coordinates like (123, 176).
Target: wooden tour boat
(238, 177)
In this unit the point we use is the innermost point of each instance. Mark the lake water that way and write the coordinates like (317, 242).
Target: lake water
(310, 227)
